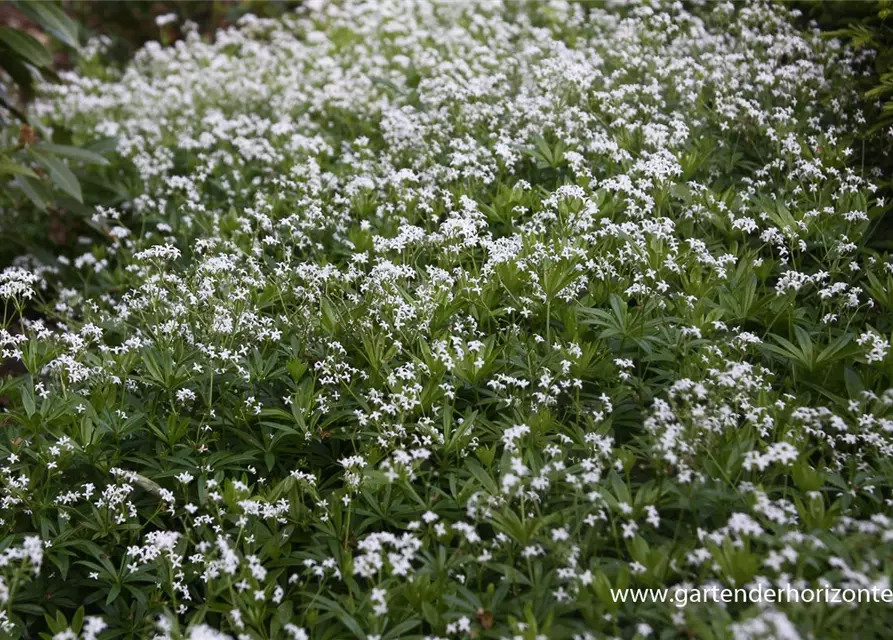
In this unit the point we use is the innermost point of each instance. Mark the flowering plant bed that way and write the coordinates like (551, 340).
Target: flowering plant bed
(448, 320)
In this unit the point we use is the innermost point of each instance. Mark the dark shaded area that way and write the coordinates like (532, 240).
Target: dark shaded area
(867, 26)
(131, 24)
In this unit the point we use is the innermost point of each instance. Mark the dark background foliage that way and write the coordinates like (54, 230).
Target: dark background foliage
(131, 24)
(867, 25)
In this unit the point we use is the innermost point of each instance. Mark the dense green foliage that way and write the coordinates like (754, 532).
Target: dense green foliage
(426, 319)
(865, 26)
(38, 172)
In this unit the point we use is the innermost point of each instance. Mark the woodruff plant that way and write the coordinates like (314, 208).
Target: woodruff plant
(434, 319)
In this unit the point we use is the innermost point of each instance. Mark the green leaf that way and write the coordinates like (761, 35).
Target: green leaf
(805, 477)
(786, 350)
(78, 620)
(853, 382)
(34, 190)
(8, 167)
(28, 401)
(26, 607)
(482, 476)
(833, 351)
(297, 368)
(75, 153)
(401, 629)
(104, 145)
(21, 75)
(806, 347)
(113, 594)
(26, 46)
(61, 175)
(147, 484)
(53, 19)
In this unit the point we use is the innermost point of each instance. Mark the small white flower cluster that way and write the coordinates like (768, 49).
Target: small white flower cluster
(780, 452)
(165, 19)
(386, 552)
(877, 346)
(29, 554)
(17, 283)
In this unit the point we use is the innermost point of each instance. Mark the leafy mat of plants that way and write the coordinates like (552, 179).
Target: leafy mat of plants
(435, 319)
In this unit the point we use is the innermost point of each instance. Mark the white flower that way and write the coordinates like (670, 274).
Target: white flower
(165, 19)
(878, 346)
(17, 283)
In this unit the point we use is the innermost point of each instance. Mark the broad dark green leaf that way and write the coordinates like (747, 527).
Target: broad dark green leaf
(75, 153)
(8, 167)
(26, 46)
(53, 19)
(60, 174)
(21, 75)
(35, 191)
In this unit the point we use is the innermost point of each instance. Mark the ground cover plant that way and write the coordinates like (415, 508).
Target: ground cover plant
(442, 319)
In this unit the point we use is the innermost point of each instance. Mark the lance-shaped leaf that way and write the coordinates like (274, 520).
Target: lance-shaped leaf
(75, 153)
(53, 19)
(60, 174)
(25, 46)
